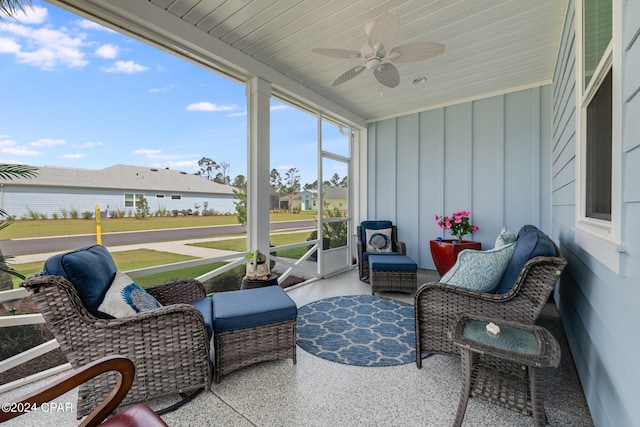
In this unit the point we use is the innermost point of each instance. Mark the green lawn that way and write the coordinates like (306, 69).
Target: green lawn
(240, 244)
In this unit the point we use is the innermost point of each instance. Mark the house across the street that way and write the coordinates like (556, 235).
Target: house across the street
(57, 191)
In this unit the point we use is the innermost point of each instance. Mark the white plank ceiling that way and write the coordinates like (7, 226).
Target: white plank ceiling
(491, 46)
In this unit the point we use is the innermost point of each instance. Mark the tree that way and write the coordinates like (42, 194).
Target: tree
(8, 172)
(223, 177)
(241, 204)
(9, 8)
(275, 180)
(142, 208)
(240, 182)
(335, 180)
(207, 167)
(290, 185)
(345, 182)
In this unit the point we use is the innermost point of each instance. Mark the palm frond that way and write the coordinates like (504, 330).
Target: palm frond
(7, 269)
(10, 171)
(9, 8)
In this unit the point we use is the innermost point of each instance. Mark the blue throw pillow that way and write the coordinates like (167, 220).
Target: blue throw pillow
(126, 298)
(531, 243)
(479, 270)
(90, 269)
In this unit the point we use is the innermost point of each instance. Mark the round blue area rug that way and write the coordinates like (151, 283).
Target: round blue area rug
(362, 330)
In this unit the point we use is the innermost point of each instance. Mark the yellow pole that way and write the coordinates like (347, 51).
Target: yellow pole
(98, 226)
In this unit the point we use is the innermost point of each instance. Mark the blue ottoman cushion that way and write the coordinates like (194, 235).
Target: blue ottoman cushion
(205, 305)
(249, 308)
(392, 263)
(91, 283)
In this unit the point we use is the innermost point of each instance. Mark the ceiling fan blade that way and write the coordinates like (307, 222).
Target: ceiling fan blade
(348, 75)
(415, 52)
(384, 30)
(336, 53)
(387, 74)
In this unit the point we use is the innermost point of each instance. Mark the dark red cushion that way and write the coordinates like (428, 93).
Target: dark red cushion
(134, 416)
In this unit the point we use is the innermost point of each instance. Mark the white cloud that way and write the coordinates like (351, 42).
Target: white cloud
(90, 144)
(32, 15)
(279, 107)
(107, 51)
(7, 142)
(21, 151)
(183, 164)
(48, 142)
(43, 47)
(147, 151)
(90, 25)
(162, 89)
(8, 46)
(72, 156)
(128, 67)
(208, 106)
(238, 114)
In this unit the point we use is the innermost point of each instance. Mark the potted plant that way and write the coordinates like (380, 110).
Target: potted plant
(258, 271)
(445, 251)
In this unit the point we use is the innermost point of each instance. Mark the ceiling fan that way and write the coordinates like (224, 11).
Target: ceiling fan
(382, 32)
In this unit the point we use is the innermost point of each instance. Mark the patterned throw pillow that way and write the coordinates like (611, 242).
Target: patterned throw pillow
(480, 270)
(504, 238)
(126, 298)
(379, 240)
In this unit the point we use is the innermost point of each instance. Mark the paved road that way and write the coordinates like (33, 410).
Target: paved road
(65, 243)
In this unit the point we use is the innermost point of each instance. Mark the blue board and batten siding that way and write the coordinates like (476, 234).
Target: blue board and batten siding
(600, 309)
(490, 156)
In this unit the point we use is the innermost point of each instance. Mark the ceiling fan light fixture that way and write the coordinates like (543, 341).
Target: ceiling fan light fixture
(419, 80)
(373, 63)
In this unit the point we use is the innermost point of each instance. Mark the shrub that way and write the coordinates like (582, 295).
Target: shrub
(64, 213)
(55, 215)
(87, 214)
(74, 214)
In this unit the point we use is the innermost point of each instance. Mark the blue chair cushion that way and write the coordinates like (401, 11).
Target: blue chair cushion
(372, 225)
(366, 255)
(249, 308)
(391, 263)
(90, 269)
(205, 305)
(531, 242)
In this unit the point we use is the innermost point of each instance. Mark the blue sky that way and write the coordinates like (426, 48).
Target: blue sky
(76, 94)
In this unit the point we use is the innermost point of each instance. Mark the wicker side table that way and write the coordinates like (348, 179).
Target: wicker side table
(504, 368)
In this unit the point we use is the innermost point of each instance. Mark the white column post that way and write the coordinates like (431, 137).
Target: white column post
(258, 163)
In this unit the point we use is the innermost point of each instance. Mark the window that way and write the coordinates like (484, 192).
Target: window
(176, 197)
(159, 196)
(598, 153)
(598, 193)
(131, 200)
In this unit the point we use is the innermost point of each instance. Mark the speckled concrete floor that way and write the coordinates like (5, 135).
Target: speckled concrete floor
(316, 392)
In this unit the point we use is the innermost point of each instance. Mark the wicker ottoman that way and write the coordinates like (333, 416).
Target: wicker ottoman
(392, 273)
(251, 326)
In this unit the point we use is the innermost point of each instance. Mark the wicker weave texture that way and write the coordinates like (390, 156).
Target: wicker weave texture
(169, 346)
(512, 379)
(393, 281)
(363, 266)
(437, 305)
(243, 347)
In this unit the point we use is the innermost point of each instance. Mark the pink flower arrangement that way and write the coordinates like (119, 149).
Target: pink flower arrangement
(458, 224)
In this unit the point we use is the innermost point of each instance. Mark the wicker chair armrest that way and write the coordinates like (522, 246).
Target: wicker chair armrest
(401, 248)
(177, 291)
(123, 366)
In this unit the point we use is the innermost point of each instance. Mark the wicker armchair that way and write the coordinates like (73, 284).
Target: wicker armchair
(169, 346)
(396, 246)
(437, 305)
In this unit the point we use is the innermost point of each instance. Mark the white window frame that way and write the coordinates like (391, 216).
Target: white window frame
(600, 238)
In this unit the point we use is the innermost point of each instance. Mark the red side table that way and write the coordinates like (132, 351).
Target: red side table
(445, 252)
